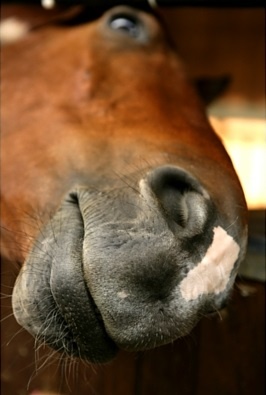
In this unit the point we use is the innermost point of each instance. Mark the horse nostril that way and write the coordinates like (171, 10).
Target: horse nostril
(127, 24)
(172, 199)
(181, 197)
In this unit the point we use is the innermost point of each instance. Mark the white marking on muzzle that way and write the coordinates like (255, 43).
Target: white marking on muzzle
(212, 274)
(122, 294)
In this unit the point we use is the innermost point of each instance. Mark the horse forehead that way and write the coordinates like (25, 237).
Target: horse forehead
(83, 61)
(48, 38)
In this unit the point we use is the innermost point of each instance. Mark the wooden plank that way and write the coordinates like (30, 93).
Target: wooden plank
(170, 369)
(232, 348)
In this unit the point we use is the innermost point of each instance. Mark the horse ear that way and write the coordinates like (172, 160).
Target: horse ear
(211, 88)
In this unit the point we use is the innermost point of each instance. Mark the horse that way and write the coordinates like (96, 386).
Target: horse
(119, 202)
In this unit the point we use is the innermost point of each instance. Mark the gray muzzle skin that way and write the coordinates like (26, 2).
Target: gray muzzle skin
(127, 269)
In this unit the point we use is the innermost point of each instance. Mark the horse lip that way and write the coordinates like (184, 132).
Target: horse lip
(55, 297)
(70, 290)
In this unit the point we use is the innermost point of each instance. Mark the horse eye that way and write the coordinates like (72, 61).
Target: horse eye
(126, 24)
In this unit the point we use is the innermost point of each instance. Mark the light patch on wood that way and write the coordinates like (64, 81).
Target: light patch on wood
(12, 30)
(212, 274)
(48, 4)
